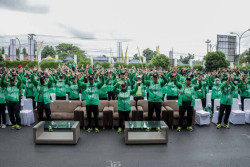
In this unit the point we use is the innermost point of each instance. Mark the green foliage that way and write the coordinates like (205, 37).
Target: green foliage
(64, 50)
(2, 50)
(97, 63)
(116, 65)
(14, 64)
(48, 51)
(186, 59)
(25, 52)
(1, 57)
(183, 66)
(115, 59)
(137, 65)
(70, 62)
(198, 67)
(84, 62)
(160, 61)
(149, 54)
(105, 65)
(216, 60)
(49, 64)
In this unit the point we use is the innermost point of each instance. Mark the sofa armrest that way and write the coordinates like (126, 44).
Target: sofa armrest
(111, 108)
(139, 108)
(106, 109)
(168, 108)
(133, 108)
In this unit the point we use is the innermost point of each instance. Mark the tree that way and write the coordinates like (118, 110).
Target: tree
(1, 57)
(245, 57)
(160, 61)
(64, 50)
(216, 60)
(48, 51)
(3, 51)
(106, 65)
(135, 57)
(17, 51)
(25, 52)
(149, 54)
(186, 59)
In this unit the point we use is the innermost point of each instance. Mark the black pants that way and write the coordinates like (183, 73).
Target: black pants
(223, 108)
(105, 98)
(136, 100)
(163, 97)
(2, 113)
(186, 106)
(242, 101)
(92, 109)
(154, 106)
(40, 107)
(60, 98)
(123, 116)
(33, 102)
(172, 97)
(203, 101)
(111, 96)
(14, 113)
(212, 101)
(147, 95)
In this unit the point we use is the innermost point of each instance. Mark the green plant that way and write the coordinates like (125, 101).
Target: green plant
(183, 66)
(47, 64)
(198, 67)
(116, 65)
(105, 65)
(160, 60)
(84, 62)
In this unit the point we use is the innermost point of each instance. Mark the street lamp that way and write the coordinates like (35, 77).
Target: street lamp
(207, 42)
(239, 36)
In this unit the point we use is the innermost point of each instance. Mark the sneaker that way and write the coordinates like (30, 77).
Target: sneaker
(18, 127)
(96, 130)
(13, 127)
(158, 128)
(50, 128)
(3, 126)
(226, 126)
(218, 126)
(148, 129)
(119, 130)
(89, 130)
(178, 129)
(190, 128)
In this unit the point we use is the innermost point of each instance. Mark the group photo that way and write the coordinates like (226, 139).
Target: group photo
(98, 86)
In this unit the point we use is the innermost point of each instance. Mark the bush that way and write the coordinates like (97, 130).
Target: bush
(160, 60)
(106, 65)
(116, 65)
(97, 63)
(183, 66)
(137, 65)
(84, 62)
(198, 67)
(14, 64)
(70, 62)
(49, 64)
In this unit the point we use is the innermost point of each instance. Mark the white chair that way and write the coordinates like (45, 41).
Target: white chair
(201, 117)
(247, 110)
(216, 113)
(237, 116)
(67, 97)
(208, 99)
(27, 114)
(53, 96)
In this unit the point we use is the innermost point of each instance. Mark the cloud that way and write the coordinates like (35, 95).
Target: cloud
(23, 6)
(78, 33)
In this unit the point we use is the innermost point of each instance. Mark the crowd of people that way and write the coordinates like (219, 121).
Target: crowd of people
(95, 84)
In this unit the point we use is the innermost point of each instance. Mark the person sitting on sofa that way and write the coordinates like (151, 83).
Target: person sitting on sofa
(124, 106)
(186, 100)
(92, 98)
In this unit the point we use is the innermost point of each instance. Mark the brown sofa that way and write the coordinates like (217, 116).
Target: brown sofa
(172, 116)
(62, 110)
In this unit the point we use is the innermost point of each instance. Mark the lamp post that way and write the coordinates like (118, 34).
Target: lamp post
(207, 42)
(239, 36)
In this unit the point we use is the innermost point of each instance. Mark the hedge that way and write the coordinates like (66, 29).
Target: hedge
(116, 65)
(84, 63)
(49, 64)
(106, 65)
(70, 62)
(137, 65)
(15, 63)
(184, 66)
(198, 67)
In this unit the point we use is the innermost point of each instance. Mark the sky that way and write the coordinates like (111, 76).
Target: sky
(183, 25)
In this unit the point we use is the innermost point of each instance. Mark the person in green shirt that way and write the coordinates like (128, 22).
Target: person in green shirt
(92, 99)
(60, 88)
(216, 91)
(74, 88)
(13, 98)
(226, 101)
(172, 91)
(140, 93)
(110, 86)
(186, 100)
(124, 106)
(244, 87)
(2, 105)
(155, 96)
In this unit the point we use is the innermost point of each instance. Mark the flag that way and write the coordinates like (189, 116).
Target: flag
(157, 50)
(139, 54)
(126, 55)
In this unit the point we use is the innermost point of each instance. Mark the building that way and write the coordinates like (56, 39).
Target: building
(227, 44)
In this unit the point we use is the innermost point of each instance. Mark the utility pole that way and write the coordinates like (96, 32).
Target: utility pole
(207, 42)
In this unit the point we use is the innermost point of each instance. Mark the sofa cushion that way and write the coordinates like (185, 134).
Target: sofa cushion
(62, 116)
(62, 106)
